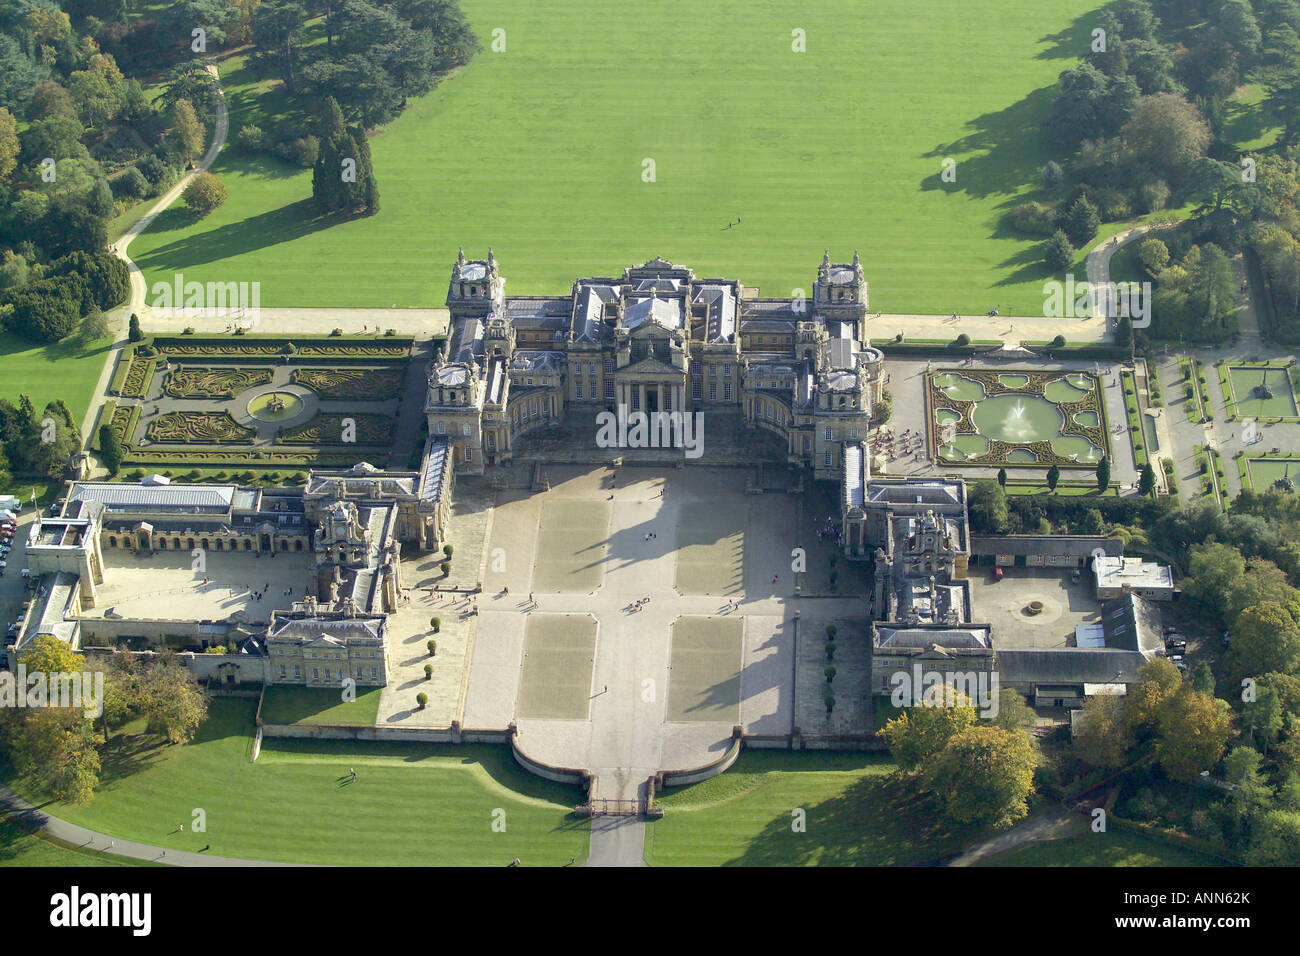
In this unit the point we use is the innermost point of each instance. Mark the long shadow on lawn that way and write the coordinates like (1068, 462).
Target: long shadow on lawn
(237, 238)
(1013, 145)
(877, 821)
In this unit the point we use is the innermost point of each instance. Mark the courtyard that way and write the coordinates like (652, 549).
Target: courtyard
(173, 586)
(593, 679)
(1065, 605)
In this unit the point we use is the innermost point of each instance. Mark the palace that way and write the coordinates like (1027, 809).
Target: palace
(656, 339)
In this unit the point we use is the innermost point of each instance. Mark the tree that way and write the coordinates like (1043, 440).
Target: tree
(1158, 678)
(1154, 256)
(983, 776)
(987, 502)
(1053, 477)
(277, 30)
(1002, 477)
(1103, 474)
(172, 703)
(924, 730)
(1058, 252)
(1147, 480)
(342, 178)
(185, 137)
(8, 143)
(110, 449)
(1052, 175)
(58, 749)
(1264, 638)
(1263, 717)
(133, 333)
(1192, 730)
(99, 92)
(1166, 133)
(1104, 738)
(1081, 222)
(205, 193)
(1013, 713)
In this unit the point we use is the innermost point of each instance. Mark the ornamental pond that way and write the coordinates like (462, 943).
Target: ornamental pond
(984, 417)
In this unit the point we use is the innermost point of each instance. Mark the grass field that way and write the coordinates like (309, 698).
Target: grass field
(857, 814)
(21, 846)
(539, 151)
(27, 368)
(411, 805)
(1113, 848)
(571, 546)
(290, 704)
(711, 547)
(559, 652)
(706, 662)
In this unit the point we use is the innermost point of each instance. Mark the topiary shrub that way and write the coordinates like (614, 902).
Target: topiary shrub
(422, 699)
(428, 672)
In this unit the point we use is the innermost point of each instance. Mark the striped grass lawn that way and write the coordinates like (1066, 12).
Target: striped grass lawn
(411, 805)
(857, 813)
(1112, 848)
(540, 150)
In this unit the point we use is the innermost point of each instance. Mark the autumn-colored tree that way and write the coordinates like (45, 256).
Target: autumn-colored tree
(185, 137)
(924, 730)
(1104, 738)
(205, 193)
(983, 776)
(1192, 731)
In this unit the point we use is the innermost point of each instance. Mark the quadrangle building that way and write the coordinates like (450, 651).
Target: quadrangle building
(655, 339)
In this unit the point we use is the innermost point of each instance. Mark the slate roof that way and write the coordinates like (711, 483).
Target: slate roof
(1069, 665)
(194, 499)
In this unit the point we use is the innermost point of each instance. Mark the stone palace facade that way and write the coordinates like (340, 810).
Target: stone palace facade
(655, 339)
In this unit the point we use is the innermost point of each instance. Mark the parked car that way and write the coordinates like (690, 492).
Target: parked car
(1074, 575)
(997, 574)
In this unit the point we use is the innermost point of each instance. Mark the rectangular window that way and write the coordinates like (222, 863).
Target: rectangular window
(442, 428)
(726, 391)
(713, 391)
(726, 371)
(828, 459)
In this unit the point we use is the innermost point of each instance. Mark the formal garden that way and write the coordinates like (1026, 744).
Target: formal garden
(199, 402)
(1016, 418)
(1263, 391)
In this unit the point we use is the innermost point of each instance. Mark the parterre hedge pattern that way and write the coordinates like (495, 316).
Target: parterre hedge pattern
(209, 428)
(352, 384)
(1036, 385)
(199, 382)
(327, 429)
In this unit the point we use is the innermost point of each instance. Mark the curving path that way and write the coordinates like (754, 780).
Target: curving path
(16, 806)
(139, 287)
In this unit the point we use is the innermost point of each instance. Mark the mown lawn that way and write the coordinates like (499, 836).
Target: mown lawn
(47, 372)
(857, 814)
(286, 704)
(411, 804)
(538, 151)
(1113, 848)
(21, 846)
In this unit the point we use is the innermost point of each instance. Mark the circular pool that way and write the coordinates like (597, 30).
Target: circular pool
(275, 406)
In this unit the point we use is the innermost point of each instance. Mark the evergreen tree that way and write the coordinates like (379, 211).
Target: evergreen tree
(1103, 474)
(1147, 480)
(1053, 477)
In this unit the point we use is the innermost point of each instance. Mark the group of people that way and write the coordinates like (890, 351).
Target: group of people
(831, 532)
(638, 605)
(895, 446)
